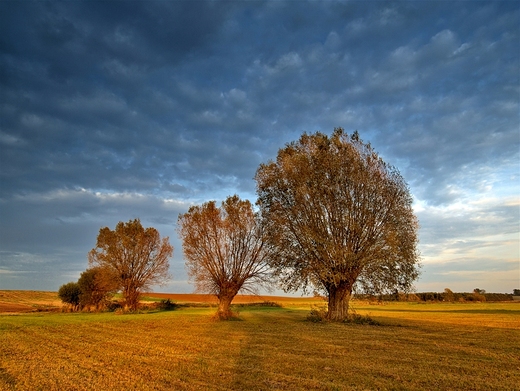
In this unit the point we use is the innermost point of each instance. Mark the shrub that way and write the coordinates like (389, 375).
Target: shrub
(70, 293)
(408, 297)
(97, 287)
(449, 296)
(478, 295)
(113, 306)
(317, 314)
(231, 315)
(361, 319)
(166, 305)
(430, 296)
(498, 296)
(264, 303)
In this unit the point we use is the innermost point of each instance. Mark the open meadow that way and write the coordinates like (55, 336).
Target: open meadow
(458, 346)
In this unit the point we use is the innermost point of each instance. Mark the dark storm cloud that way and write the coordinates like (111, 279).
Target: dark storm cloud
(79, 89)
(146, 102)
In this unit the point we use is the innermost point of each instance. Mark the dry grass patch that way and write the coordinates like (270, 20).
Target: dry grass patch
(490, 315)
(270, 348)
(26, 301)
(239, 299)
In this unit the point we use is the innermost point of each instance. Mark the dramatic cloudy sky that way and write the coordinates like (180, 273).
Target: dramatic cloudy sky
(115, 110)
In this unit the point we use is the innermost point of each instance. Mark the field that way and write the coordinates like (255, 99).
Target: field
(25, 301)
(471, 346)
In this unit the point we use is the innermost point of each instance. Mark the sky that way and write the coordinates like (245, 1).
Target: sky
(115, 110)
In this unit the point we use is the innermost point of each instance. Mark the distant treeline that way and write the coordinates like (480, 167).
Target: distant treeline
(446, 296)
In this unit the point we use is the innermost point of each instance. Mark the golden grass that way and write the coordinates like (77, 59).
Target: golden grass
(421, 347)
(25, 301)
(239, 299)
(15, 301)
(493, 315)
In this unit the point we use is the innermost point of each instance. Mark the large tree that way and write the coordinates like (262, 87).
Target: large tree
(136, 256)
(339, 217)
(224, 249)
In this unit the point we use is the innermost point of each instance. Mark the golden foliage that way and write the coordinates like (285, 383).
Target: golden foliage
(339, 217)
(224, 249)
(136, 256)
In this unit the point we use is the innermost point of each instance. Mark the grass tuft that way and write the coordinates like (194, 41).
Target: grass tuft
(231, 316)
(264, 303)
(355, 318)
(317, 314)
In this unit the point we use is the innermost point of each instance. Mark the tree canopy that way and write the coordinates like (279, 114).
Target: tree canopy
(97, 285)
(136, 256)
(339, 217)
(70, 293)
(224, 249)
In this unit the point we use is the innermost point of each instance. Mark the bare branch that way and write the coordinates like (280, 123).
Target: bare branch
(224, 249)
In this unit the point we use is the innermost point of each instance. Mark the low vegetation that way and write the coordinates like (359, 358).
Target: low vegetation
(478, 295)
(417, 346)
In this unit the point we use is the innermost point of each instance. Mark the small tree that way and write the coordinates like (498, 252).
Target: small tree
(449, 296)
(478, 294)
(339, 217)
(70, 293)
(97, 285)
(136, 256)
(224, 249)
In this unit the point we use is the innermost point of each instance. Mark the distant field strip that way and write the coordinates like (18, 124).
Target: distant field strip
(420, 347)
(26, 301)
(239, 299)
(494, 315)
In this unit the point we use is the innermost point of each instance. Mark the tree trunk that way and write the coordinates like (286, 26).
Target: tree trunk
(224, 305)
(131, 296)
(339, 299)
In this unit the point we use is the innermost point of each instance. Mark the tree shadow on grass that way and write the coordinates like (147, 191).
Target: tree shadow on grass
(279, 352)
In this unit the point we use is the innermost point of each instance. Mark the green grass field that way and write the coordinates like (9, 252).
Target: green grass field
(419, 347)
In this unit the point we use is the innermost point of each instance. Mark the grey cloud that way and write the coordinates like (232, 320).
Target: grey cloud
(45, 238)
(315, 98)
(469, 221)
(47, 221)
(184, 100)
